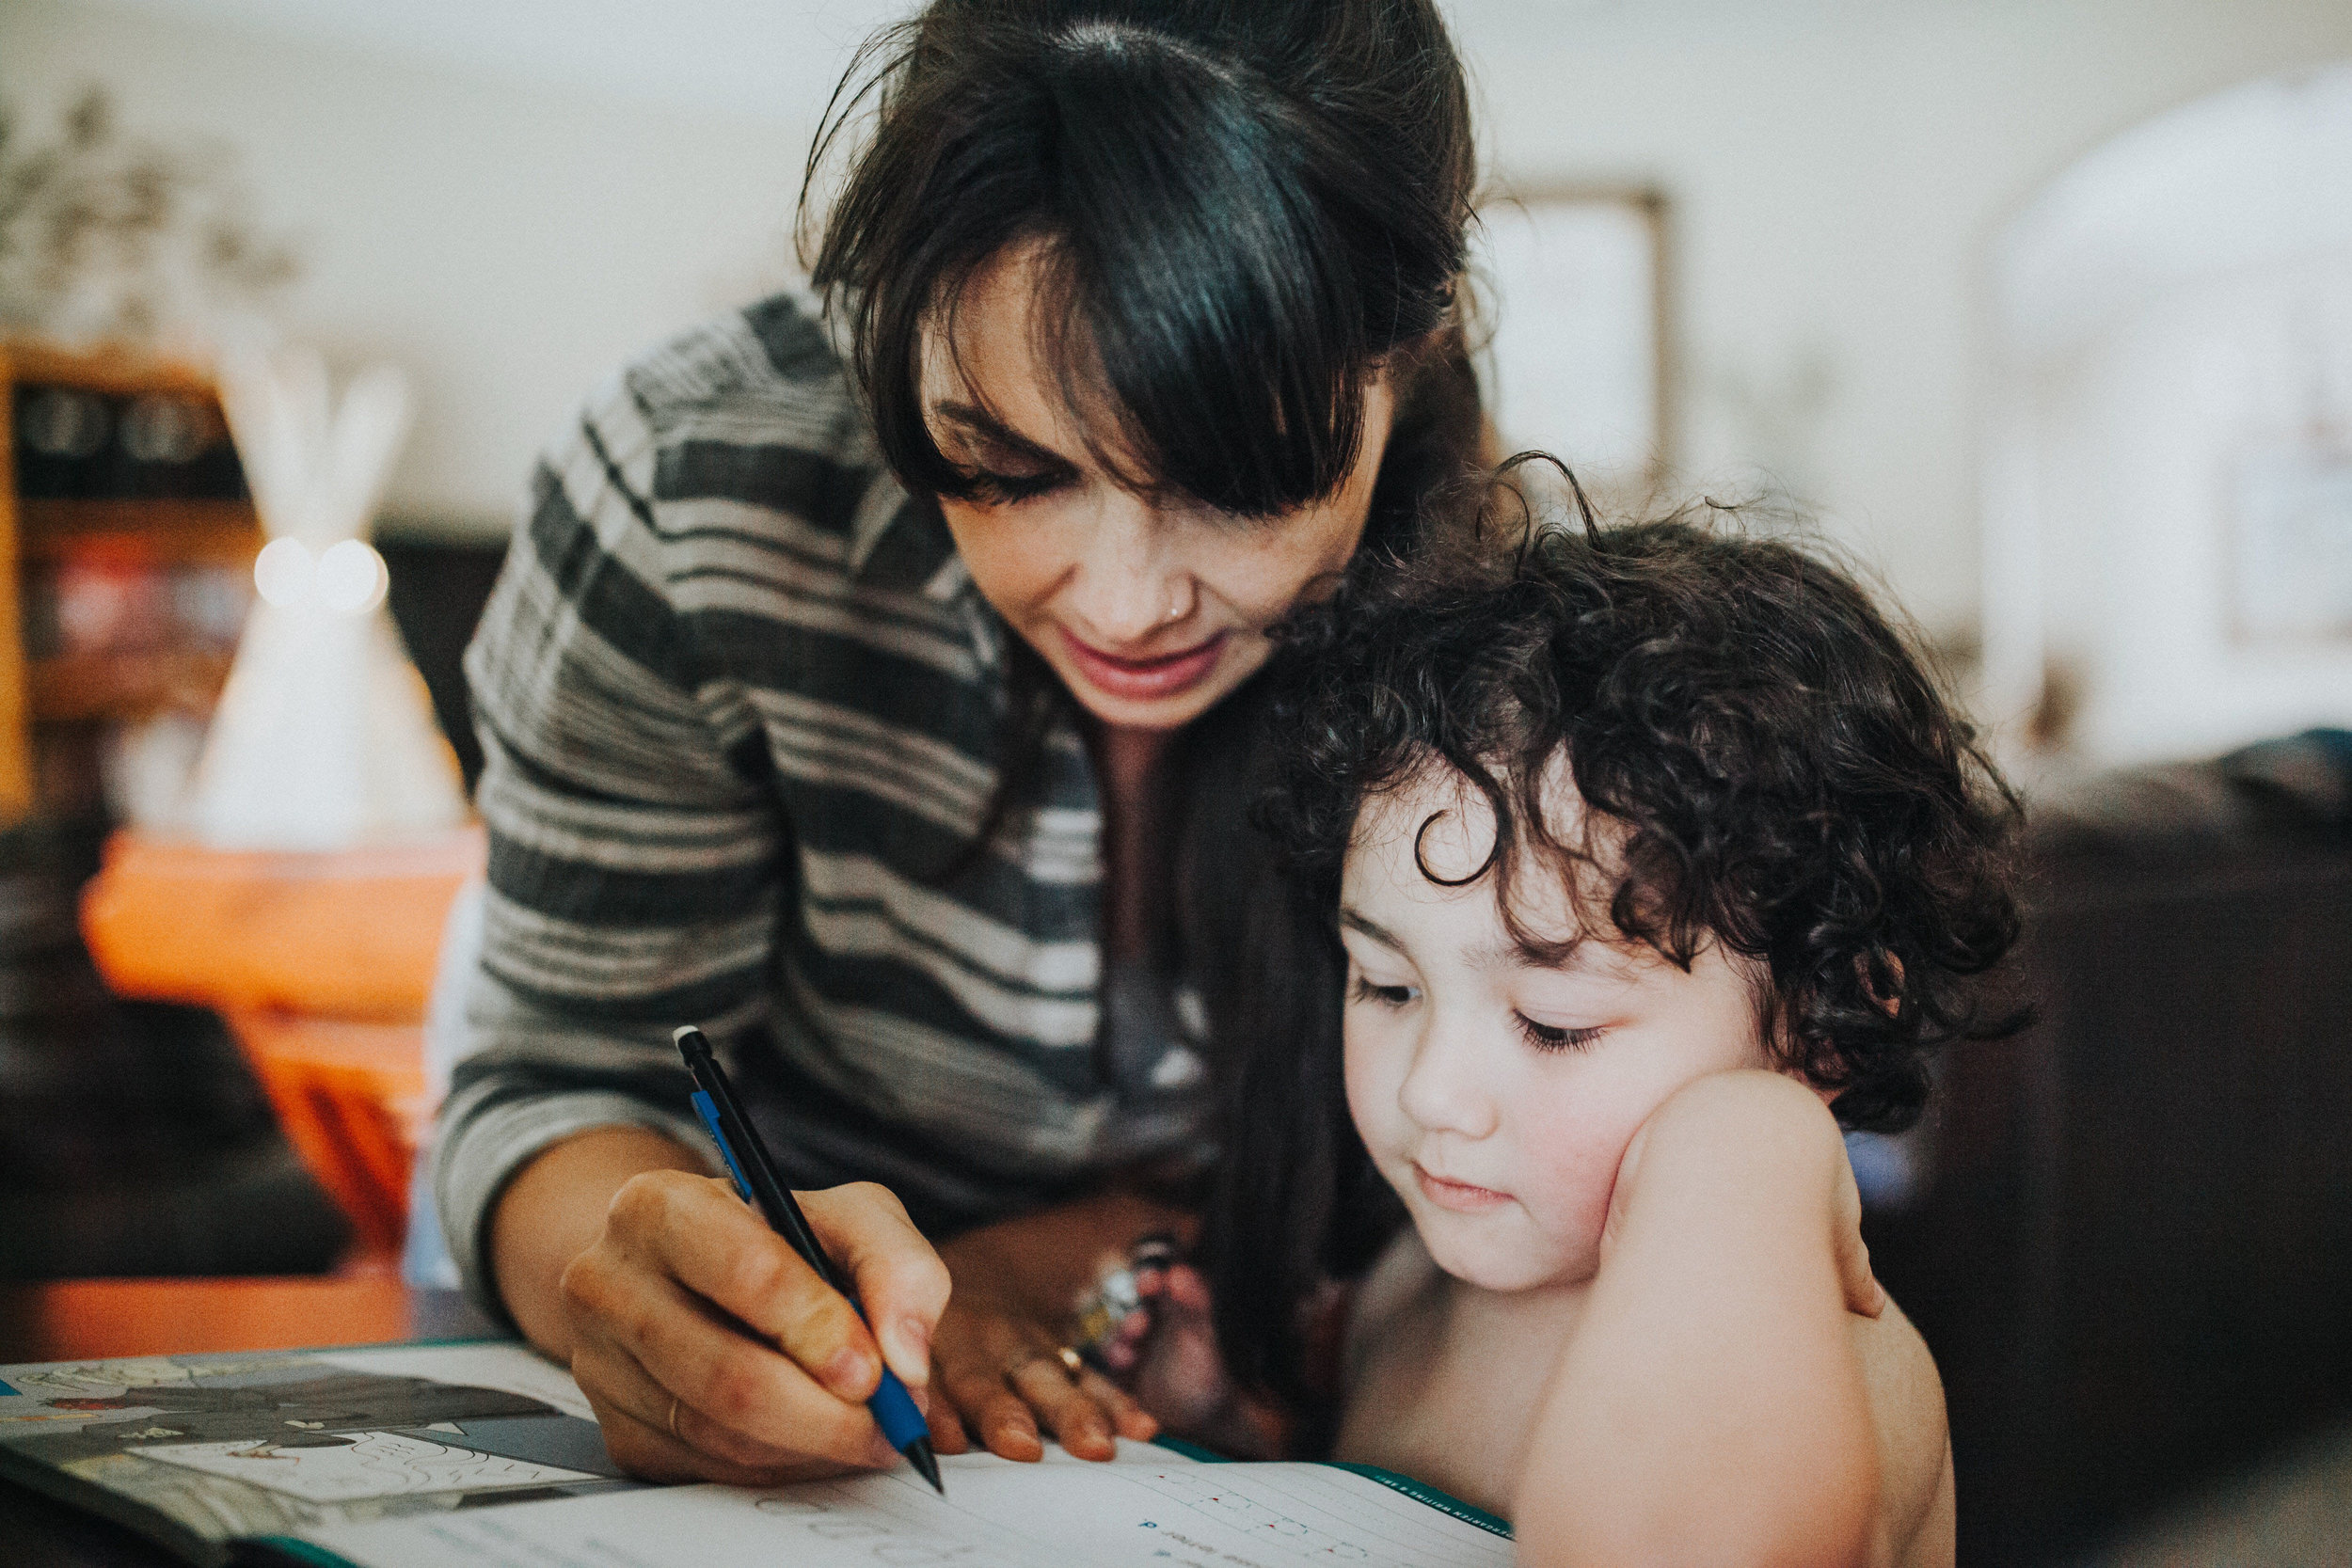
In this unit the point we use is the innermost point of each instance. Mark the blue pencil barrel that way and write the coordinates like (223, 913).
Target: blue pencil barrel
(895, 1408)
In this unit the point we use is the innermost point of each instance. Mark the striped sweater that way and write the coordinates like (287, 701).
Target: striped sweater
(739, 705)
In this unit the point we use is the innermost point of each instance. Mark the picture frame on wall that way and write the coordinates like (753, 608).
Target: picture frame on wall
(1569, 326)
(2290, 543)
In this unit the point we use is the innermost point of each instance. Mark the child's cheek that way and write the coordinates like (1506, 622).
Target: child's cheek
(1573, 1148)
(1370, 1077)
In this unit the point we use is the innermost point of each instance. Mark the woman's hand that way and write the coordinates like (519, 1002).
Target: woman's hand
(998, 1370)
(707, 1348)
(711, 1350)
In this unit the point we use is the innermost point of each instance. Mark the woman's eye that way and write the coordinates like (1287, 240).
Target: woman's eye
(1548, 1037)
(991, 488)
(1384, 996)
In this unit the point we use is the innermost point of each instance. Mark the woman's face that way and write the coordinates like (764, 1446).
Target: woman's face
(1151, 607)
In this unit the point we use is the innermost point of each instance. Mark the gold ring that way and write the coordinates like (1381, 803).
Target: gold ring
(673, 1417)
(1063, 1358)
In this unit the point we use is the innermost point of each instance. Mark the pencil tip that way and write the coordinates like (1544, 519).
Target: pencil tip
(925, 1462)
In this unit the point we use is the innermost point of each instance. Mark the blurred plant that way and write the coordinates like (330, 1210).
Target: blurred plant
(107, 235)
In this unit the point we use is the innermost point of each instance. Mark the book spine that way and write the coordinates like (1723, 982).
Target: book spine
(1428, 1495)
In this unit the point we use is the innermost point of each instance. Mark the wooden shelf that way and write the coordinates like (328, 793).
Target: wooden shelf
(215, 533)
(124, 685)
(106, 369)
(44, 532)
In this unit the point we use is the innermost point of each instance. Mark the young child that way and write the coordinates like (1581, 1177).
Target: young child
(1657, 856)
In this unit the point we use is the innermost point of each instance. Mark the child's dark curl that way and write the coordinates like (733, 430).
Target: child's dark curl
(1763, 758)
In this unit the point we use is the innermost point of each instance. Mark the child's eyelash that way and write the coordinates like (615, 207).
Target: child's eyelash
(1386, 996)
(1545, 1037)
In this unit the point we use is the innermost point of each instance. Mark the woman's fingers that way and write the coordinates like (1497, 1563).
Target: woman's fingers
(947, 1434)
(1007, 1378)
(973, 1346)
(896, 1274)
(617, 1385)
(710, 1348)
(646, 1451)
(1130, 1419)
(710, 1365)
(651, 1453)
(1078, 1423)
(696, 1231)
(1001, 1419)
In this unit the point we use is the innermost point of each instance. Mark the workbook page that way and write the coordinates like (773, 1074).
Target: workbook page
(1152, 1508)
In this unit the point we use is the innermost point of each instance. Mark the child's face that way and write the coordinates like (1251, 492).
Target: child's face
(1496, 1095)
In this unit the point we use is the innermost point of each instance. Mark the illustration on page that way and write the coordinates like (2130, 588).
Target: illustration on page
(282, 1443)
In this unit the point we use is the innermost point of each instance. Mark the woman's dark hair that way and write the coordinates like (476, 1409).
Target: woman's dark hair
(1762, 760)
(1239, 209)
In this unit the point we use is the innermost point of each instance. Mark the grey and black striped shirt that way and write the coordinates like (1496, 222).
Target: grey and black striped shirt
(739, 703)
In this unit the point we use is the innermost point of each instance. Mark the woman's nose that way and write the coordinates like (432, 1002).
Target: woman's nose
(1128, 585)
(1444, 1090)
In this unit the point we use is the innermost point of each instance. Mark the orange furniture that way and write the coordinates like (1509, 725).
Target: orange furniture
(138, 515)
(74, 1320)
(322, 965)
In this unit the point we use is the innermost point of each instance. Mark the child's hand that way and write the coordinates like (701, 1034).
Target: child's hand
(1174, 1370)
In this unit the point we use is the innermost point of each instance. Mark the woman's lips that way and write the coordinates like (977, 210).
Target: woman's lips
(1460, 1196)
(1143, 680)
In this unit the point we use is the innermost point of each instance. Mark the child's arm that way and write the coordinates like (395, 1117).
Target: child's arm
(1711, 1406)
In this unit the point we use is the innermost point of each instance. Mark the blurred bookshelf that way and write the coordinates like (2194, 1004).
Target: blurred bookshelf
(127, 537)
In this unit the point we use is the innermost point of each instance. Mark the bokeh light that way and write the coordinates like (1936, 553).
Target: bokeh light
(282, 572)
(352, 578)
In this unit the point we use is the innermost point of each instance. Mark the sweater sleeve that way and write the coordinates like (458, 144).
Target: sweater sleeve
(636, 855)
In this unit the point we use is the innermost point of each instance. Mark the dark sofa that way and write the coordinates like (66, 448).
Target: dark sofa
(2132, 1254)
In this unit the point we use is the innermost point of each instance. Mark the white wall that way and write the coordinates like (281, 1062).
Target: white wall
(506, 240)
(509, 220)
(2137, 441)
(1839, 171)
(2173, 497)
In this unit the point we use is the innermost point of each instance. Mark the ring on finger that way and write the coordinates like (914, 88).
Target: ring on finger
(1060, 1359)
(673, 1417)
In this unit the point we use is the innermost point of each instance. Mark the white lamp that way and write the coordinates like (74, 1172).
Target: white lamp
(325, 736)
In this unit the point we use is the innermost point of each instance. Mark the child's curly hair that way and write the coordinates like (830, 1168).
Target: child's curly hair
(1764, 761)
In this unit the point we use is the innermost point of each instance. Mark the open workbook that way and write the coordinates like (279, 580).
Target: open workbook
(482, 1453)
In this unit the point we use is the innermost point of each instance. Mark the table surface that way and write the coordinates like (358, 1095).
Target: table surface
(72, 1320)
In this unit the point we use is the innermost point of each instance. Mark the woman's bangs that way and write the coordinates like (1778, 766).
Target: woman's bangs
(1206, 404)
(1218, 273)
(1210, 278)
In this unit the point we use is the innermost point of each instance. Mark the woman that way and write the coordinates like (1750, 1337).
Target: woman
(892, 719)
